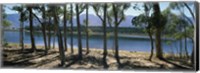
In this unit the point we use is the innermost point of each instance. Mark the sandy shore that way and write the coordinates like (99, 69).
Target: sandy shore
(13, 57)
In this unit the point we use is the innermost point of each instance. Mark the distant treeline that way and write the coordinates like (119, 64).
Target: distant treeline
(127, 30)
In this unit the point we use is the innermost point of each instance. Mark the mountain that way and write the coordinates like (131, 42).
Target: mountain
(93, 20)
(14, 19)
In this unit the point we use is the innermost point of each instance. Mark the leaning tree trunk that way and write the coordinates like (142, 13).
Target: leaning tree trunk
(31, 29)
(65, 28)
(87, 36)
(104, 37)
(71, 21)
(79, 33)
(152, 46)
(59, 37)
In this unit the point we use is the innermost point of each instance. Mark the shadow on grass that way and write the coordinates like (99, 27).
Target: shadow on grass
(22, 59)
(176, 65)
(17, 58)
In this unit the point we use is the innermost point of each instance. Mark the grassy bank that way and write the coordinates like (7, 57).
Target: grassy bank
(13, 57)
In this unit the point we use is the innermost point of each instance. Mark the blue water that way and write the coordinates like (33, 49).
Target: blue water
(129, 44)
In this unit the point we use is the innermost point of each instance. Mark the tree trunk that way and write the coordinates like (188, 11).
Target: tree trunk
(79, 33)
(31, 29)
(192, 54)
(21, 33)
(159, 53)
(54, 38)
(157, 16)
(59, 37)
(152, 46)
(44, 29)
(181, 48)
(87, 36)
(49, 36)
(116, 35)
(104, 37)
(71, 21)
(65, 29)
(186, 52)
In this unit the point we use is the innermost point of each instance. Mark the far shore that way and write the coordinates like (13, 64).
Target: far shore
(121, 35)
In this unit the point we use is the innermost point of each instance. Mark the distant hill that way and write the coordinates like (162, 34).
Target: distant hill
(93, 20)
(14, 19)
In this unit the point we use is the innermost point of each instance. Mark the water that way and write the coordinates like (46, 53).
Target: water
(129, 44)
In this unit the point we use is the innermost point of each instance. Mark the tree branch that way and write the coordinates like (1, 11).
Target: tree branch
(97, 13)
(120, 21)
(37, 18)
(189, 10)
(82, 9)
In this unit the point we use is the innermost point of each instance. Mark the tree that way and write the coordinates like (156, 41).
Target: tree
(71, 21)
(22, 11)
(43, 23)
(65, 19)
(157, 20)
(144, 20)
(98, 8)
(79, 10)
(49, 27)
(180, 6)
(87, 35)
(29, 8)
(43, 9)
(59, 35)
(118, 12)
(65, 27)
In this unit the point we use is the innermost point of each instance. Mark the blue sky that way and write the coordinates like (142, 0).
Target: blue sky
(129, 11)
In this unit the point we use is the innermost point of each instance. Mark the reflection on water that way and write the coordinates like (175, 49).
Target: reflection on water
(130, 44)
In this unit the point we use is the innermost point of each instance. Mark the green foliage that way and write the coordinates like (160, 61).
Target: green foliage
(144, 20)
(6, 24)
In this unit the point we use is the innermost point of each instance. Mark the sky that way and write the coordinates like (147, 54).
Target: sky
(129, 11)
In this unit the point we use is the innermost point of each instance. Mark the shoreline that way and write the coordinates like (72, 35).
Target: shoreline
(41, 46)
